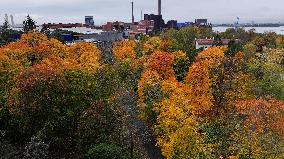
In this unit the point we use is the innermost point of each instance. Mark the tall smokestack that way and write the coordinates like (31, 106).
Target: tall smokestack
(132, 4)
(159, 7)
(12, 21)
(6, 18)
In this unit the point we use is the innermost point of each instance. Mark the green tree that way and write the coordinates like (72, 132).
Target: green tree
(6, 33)
(240, 33)
(105, 151)
(217, 41)
(233, 48)
(184, 39)
(29, 24)
(44, 30)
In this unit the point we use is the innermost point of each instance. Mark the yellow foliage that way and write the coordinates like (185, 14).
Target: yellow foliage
(212, 54)
(275, 56)
(179, 55)
(177, 126)
(58, 48)
(151, 45)
(34, 44)
(199, 78)
(90, 61)
(88, 55)
(279, 42)
(59, 63)
(124, 49)
(148, 90)
(169, 86)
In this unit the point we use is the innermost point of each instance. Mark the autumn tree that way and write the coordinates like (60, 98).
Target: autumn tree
(260, 42)
(149, 91)
(180, 65)
(200, 80)
(124, 50)
(261, 135)
(279, 42)
(8, 69)
(177, 126)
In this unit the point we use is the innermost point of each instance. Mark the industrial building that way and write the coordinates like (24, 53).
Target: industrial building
(89, 21)
(159, 23)
(61, 25)
(108, 26)
(143, 27)
(172, 24)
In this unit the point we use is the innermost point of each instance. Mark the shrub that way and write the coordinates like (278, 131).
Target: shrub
(36, 149)
(105, 151)
(7, 150)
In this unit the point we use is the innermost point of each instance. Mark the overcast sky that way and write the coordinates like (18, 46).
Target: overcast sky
(216, 11)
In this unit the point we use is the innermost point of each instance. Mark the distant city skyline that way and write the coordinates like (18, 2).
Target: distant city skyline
(216, 11)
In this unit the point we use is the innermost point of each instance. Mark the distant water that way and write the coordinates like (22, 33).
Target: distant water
(277, 30)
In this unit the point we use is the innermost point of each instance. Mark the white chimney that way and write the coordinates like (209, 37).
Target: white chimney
(12, 21)
(6, 18)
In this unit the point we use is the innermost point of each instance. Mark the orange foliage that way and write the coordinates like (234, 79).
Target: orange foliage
(176, 127)
(8, 69)
(76, 50)
(169, 86)
(58, 48)
(33, 38)
(200, 81)
(36, 44)
(124, 50)
(262, 114)
(178, 113)
(16, 50)
(212, 55)
(162, 62)
(33, 78)
(88, 55)
(59, 63)
(37, 47)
